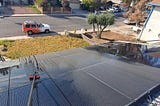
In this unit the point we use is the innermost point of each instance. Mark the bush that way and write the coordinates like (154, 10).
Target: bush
(39, 2)
(6, 42)
(35, 8)
(88, 4)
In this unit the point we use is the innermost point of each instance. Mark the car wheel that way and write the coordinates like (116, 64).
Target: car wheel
(29, 32)
(47, 31)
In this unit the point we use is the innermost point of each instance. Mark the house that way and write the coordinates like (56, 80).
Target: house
(151, 31)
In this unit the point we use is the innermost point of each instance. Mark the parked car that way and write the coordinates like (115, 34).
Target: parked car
(114, 9)
(31, 27)
(128, 22)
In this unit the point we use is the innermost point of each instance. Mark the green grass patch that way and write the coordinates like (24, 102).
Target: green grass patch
(6, 42)
(35, 8)
(41, 45)
(39, 2)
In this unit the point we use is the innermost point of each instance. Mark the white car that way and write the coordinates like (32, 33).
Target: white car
(128, 22)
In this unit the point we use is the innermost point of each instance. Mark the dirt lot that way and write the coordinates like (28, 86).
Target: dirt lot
(111, 36)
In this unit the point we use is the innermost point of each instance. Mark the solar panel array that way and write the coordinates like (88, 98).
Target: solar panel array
(79, 77)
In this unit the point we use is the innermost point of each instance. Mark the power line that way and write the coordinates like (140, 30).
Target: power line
(9, 81)
(31, 93)
(52, 81)
(37, 94)
(57, 87)
(34, 85)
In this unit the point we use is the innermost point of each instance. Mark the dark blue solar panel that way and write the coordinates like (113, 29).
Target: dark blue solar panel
(94, 76)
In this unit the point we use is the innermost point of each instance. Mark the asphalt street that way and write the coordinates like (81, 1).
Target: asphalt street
(11, 26)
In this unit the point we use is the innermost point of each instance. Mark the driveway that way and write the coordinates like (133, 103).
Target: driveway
(9, 10)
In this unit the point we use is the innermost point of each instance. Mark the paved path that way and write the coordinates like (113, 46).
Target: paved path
(22, 10)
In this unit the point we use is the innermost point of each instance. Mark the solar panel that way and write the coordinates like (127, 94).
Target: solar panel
(96, 75)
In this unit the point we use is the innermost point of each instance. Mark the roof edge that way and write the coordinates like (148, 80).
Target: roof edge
(145, 96)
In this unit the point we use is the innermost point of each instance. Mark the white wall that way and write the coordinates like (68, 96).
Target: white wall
(152, 29)
(116, 1)
(75, 5)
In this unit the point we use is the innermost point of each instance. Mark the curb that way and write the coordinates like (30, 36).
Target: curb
(22, 15)
(15, 38)
(38, 15)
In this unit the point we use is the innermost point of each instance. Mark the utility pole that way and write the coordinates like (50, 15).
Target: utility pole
(3, 3)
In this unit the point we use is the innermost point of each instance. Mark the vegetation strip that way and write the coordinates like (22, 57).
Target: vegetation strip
(40, 45)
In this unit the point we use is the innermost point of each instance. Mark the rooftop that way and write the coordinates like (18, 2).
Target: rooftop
(111, 74)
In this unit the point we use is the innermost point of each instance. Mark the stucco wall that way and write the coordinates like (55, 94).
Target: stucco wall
(17, 2)
(152, 29)
(75, 5)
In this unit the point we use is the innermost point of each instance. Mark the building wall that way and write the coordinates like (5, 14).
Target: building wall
(15, 2)
(116, 1)
(151, 31)
(75, 5)
(20, 2)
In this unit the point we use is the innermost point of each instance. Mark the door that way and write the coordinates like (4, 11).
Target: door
(35, 28)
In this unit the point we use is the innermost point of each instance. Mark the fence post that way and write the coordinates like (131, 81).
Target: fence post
(51, 10)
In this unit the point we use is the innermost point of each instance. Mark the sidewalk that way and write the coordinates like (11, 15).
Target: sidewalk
(20, 11)
(23, 10)
(15, 38)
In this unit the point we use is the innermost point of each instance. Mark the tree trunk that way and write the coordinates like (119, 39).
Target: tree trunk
(93, 28)
(99, 33)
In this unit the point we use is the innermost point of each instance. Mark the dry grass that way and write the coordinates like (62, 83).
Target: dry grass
(40, 45)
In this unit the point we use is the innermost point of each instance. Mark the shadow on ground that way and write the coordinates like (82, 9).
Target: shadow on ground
(52, 33)
(66, 16)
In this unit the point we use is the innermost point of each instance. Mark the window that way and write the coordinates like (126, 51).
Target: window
(27, 25)
(33, 26)
(40, 25)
